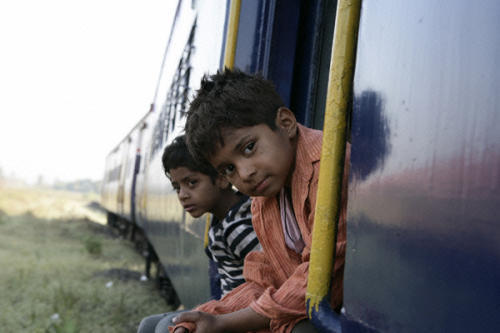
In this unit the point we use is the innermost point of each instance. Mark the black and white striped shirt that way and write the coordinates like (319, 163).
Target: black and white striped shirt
(229, 241)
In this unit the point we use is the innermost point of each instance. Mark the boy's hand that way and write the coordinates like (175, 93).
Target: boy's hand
(243, 320)
(205, 322)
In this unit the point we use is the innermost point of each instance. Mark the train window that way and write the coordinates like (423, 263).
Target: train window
(290, 43)
(312, 61)
(158, 134)
(114, 174)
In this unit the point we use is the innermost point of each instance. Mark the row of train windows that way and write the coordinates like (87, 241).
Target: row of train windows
(174, 108)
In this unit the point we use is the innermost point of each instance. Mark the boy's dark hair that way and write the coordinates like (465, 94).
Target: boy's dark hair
(177, 155)
(229, 99)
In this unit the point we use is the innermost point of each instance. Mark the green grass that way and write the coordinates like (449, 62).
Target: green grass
(54, 272)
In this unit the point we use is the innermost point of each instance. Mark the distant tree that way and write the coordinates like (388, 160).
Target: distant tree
(81, 185)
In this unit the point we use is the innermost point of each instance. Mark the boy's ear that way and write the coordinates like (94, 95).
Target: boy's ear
(222, 183)
(285, 120)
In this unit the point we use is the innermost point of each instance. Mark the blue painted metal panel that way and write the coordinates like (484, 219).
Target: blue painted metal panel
(267, 38)
(289, 42)
(423, 221)
(285, 27)
(250, 35)
(312, 61)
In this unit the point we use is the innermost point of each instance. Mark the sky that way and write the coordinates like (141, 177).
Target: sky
(75, 77)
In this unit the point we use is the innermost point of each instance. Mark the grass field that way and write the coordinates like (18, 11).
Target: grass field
(62, 270)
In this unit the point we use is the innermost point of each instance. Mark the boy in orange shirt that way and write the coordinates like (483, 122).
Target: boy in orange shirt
(240, 125)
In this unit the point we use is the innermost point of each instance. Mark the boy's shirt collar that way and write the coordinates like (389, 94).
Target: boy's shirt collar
(231, 211)
(308, 150)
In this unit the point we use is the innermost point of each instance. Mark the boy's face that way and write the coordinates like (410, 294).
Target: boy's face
(256, 159)
(196, 191)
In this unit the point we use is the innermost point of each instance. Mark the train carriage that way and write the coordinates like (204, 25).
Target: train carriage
(415, 86)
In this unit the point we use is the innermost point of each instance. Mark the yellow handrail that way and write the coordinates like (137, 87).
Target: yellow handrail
(333, 153)
(232, 33)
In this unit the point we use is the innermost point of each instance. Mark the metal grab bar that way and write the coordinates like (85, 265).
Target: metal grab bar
(331, 167)
(232, 33)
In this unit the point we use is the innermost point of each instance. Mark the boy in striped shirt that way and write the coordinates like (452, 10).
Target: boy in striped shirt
(200, 189)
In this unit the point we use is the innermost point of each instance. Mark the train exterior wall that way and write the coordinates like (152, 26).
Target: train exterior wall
(146, 130)
(195, 49)
(111, 181)
(423, 222)
(129, 163)
(118, 194)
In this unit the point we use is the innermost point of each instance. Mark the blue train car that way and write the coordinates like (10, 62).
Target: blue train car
(423, 242)
(424, 198)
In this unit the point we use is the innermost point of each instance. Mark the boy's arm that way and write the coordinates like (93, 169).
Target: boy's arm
(251, 305)
(242, 321)
(286, 305)
(236, 300)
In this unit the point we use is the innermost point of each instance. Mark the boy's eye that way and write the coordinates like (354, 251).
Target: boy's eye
(249, 148)
(192, 183)
(227, 170)
(176, 188)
